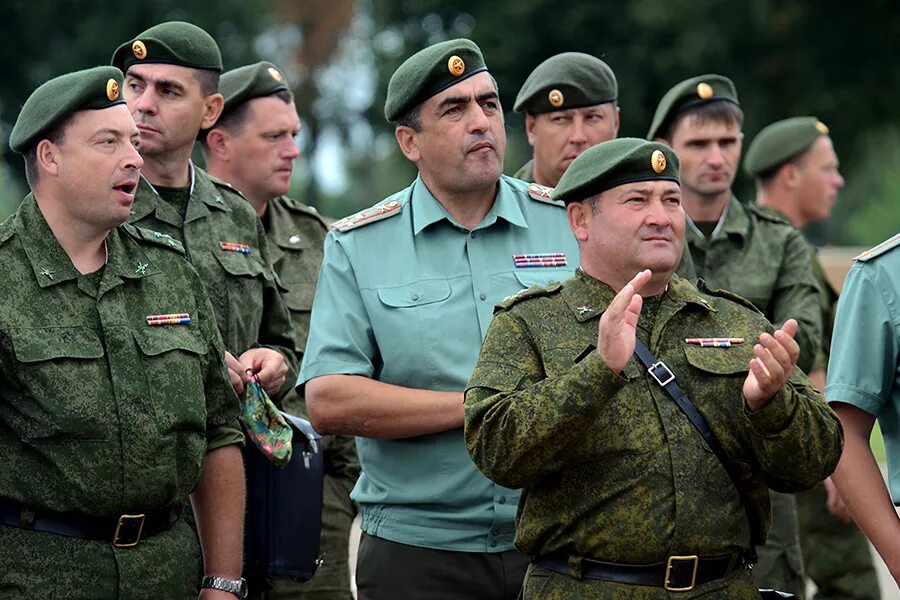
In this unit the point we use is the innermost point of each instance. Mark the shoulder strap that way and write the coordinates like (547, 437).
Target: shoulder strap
(664, 376)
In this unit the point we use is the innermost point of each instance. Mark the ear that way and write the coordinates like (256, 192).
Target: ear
(579, 215)
(530, 122)
(618, 115)
(212, 108)
(407, 138)
(790, 175)
(218, 141)
(48, 156)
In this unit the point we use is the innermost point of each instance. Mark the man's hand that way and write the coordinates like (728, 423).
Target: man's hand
(269, 366)
(617, 330)
(835, 503)
(776, 357)
(236, 372)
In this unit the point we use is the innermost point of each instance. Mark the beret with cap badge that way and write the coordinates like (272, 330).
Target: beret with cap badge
(689, 94)
(781, 141)
(250, 81)
(175, 43)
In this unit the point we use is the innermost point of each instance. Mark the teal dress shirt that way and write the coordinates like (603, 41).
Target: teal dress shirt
(406, 298)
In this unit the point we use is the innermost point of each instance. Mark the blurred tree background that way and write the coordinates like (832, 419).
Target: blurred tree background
(787, 58)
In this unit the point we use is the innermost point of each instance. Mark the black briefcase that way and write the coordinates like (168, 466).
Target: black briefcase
(284, 508)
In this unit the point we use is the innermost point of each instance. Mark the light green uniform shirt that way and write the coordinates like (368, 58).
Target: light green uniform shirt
(407, 300)
(864, 366)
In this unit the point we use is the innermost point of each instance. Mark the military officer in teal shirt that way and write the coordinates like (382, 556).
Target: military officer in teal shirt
(863, 384)
(404, 299)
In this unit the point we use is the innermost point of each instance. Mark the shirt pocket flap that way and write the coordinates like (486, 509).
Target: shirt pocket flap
(299, 296)
(541, 277)
(37, 345)
(416, 294)
(722, 361)
(242, 265)
(157, 340)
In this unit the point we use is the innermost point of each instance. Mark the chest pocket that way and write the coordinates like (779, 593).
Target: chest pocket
(419, 294)
(721, 361)
(173, 365)
(239, 264)
(541, 276)
(57, 384)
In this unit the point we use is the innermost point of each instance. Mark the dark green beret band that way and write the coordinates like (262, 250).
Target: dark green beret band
(614, 163)
(173, 43)
(55, 100)
(251, 81)
(567, 80)
(780, 142)
(689, 94)
(429, 72)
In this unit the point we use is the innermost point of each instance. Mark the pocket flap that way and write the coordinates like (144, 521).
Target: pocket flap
(415, 294)
(541, 277)
(48, 343)
(724, 361)
(156, 340)
(299, 296)
(244, 265)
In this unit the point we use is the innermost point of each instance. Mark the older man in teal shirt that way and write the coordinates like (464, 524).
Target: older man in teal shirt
(404, 299)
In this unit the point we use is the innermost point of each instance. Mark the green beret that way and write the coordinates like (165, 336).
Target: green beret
(615, 163)
(689, 94)
(249, 82)
(55, 100)
(780, 142)
(567, 80)
(429, 72)
(173, 43)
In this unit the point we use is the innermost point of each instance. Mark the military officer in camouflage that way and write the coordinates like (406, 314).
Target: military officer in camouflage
(622, 498)
(171, 81)
(739, 248)
(402, 304)
(253, 147)
(570, 103)
(115, 401)
(796, 171)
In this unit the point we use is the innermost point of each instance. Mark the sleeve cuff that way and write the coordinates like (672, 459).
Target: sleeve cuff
(775, 416)
(224, 435)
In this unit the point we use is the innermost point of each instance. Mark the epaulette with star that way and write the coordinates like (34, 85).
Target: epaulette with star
(154, 237)
(704, 287)
(544, 194)
(380, 211)
(534, 291)
(879, 249)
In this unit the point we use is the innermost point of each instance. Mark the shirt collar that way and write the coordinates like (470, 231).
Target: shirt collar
(426, 210)
(734, 220)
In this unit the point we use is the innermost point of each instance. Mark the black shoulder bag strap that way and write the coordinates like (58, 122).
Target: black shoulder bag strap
(664, 376)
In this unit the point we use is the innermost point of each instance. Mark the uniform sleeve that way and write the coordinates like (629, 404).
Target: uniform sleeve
(341, 340)
(797, 296)
(863, 365)
(276, 331)
(222, 404)
(520, 425)
(797, 438)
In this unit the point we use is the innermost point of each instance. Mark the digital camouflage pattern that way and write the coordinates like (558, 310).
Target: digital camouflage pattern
(245, 295)
(296, 235)
(611, 469)
(100, 413)
(764, 259)
(526, 172)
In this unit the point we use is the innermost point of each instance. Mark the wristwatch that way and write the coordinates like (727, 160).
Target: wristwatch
(237, 587)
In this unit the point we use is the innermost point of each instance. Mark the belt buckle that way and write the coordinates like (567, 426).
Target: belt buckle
(670, 564)
(125, 536)
(666, 377)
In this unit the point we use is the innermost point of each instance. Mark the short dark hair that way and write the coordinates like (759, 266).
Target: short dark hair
(56, 135)
(411, 118)
(725, 112)
(234, 120)
(208, 80)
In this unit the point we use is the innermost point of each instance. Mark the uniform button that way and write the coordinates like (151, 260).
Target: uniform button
(483, 297)
(294, 239)
(415, 297)
(502, 499)
(495, 532)
(472, 234)
(493, 543)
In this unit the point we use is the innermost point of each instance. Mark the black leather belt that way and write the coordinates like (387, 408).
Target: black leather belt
(124, 531)
(677, 574)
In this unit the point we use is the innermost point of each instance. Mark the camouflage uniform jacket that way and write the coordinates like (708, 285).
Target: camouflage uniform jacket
(296, 235)
(763, 258)
(526, 172)
(101, 413)
(249, 306)
(611, 469)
